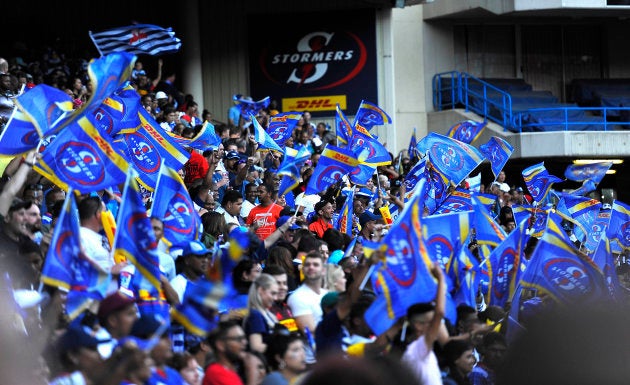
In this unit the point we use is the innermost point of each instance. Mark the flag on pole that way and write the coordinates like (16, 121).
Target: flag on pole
(466, 131)
(411, 150)
(263, 139)
(289, 169)
(619, 226)
(592, 171)
(369, 115)
(538, 181)
(281, 126)
(138, 39)
(342, 127)
(497, 151)
(333, 164)
(344, 222)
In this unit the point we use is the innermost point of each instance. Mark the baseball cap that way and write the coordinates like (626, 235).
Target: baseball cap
(519, 189)
(74, 338)
(195, 248)
(232, 155)
(504, 187)
(145, 326)
(283, 219)
(161, 95)
(112, 303)
(335, 257)
(368, 216)
(329, 299)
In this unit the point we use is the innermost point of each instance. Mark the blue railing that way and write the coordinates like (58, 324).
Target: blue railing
(446, 90)
(453, 90)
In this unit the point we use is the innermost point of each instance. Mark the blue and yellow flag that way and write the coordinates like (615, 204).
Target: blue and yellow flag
(362, 174)
(466, 131)
(487, 230)
(444, 235)
(174, 207)
(119, 112)
(67, 268)
(19, 135)
(414, 176)
(404, 278)
(538, 181)
(281, 126)
(458, 201)
(265, 142)
(289, 169)
(81, 158)
(592, 171)
(557, 271)
(148, 147)
(506, 261)
(249, 107)
(619, 226)
(595, 232)
(368, 149)
(45, 107)
(369, 115)
(194, 318)
(466, 276)
(333, 164)
(134, 238)
(604, 259)
(343, 128)
(344, 221)
(411, 150)
(438, 186)
(451, 158)
(497, 151)
(581, 211)
(206, 138)
(489, 201)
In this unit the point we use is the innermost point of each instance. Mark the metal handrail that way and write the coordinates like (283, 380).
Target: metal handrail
(449, 82)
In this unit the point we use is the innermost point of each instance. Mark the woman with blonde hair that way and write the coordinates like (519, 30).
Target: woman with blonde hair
(335, 278)
(260, 322)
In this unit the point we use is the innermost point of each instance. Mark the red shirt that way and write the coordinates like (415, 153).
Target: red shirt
(217, 374)
(266, 218)
(196, 167)
(319, 227)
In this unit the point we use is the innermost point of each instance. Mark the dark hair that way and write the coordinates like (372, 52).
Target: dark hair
(315, 254)
(453, 350)
(221, 332)
(492, 338)
(243, 266)
(278, 345)
(213, 223)
(420, 308)
(231, 196)
(308, 243)
(381, 370)
(274, 270)
(335, 239)
(180, 360)
(281, 256)
(464, 310)
(88, 207)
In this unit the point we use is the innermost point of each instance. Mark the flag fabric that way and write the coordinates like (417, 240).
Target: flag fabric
(451, 158)
(411, 150)
(263, 139)
(560, 273)
(458, 201)
(497, 151)
(603, 258)
(506, 262)
(289, 169)
(67, 268)
(581, 211)
(134, 238)
(592, 171)
(444, 235)
(281, 126)
(538, 181)
(342, 127)
(344, 222)
(194, 318)
(488, 232)
(174, 207)
(81, 158)
(368, 149)
(249, 107)
(369, 115)
(597, 229)
(206, 138)
(333, 164)
(148, 147)
(404, 277)
(45, 107)
(138, 38)
(19, 135)
(438, 186)
(362, 174)
(464, 273)
(414, 176)
(586, 188)
(619, 227)
(118, 114)
(466, 131)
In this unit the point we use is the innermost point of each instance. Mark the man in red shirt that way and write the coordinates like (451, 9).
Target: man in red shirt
(324, 211)
(228, 342)
(265, 215)
(196, 167)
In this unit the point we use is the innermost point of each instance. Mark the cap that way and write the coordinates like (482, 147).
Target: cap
(364, 191)
(195, 248)
(335, 257)
(232, 155)
(74, 338)
(237, 97)
(18, 204)
(368, 216)
(504, 187)
(330, 299)
(141, 73)
(519, 189)
(283, 219)
(161, 95)
(114, 302)
(320, 205)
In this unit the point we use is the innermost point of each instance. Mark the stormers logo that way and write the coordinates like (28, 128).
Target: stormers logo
(568, 276)
(104, 121)
(625, 234)
(143, 153)
(310, 64)
(80, 163)
(440, 249)
(446, 158)
(504, 268)
(329, 175)
(179, 215)
(401, 258)
(30, 138)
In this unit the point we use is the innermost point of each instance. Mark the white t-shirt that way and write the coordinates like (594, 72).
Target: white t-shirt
(179, 285)
(305, 301)
(422, 361)
(92, 244)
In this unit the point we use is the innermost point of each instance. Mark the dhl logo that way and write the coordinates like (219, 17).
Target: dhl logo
(314, 103)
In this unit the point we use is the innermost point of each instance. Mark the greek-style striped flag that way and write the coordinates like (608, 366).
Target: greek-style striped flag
(138, 39)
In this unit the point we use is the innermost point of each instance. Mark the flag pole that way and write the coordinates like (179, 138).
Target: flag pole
(130, 175)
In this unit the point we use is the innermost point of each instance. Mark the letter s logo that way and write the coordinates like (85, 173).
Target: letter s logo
(310, 72)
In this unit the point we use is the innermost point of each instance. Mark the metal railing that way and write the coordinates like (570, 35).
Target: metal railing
(453, 89)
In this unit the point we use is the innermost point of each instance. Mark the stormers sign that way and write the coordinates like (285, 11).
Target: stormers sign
(318, 62)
